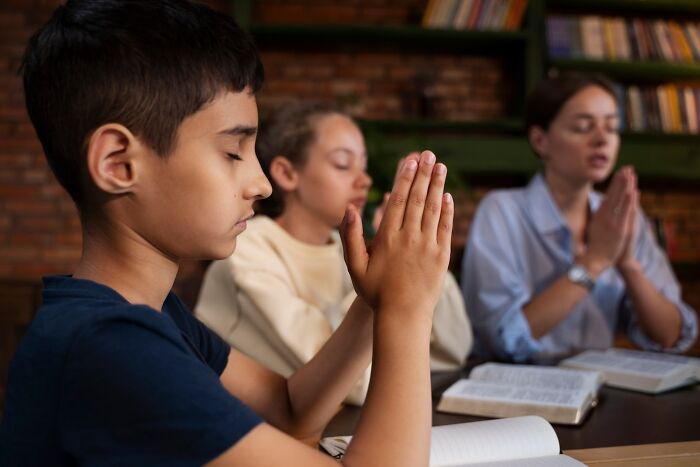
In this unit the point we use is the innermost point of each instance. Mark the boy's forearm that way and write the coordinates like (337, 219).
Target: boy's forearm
(397, 410)
(318, 388)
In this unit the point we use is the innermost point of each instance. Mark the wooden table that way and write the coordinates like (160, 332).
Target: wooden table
(621, 418)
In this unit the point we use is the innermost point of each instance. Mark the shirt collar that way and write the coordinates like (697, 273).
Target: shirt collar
(543, 209)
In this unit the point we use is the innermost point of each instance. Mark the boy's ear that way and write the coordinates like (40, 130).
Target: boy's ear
(284, 173)
(111, 158)
(538, 141)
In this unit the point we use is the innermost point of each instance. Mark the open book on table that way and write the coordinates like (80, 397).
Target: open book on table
(649, 372)
(506, 390)
(517, 442)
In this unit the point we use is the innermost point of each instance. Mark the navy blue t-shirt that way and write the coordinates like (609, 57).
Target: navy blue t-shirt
(99, 381)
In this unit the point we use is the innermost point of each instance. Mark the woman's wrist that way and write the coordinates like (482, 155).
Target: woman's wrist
(629, 267)
(595, 266)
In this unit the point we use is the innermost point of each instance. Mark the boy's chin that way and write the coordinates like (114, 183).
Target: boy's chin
(223, 252)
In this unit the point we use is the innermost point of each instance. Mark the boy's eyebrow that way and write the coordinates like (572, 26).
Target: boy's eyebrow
(240, 130)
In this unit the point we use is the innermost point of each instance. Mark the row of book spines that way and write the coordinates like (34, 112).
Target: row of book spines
(504, 15)
(665, 109)
(600, 38)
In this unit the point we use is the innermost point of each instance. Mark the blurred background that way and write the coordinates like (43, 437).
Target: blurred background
(449, 75)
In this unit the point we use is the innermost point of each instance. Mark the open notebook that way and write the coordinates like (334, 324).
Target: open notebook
(517, 442)
(508, 390)
(636, 370)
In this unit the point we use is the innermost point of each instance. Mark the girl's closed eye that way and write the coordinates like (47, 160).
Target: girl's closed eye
(233, 156)
(583, 126)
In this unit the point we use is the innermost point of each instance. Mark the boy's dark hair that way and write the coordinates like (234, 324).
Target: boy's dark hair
(549, 96)
(145, 64)
(287, 132)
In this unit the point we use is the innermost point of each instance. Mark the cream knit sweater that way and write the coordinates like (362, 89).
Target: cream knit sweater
(278, 300)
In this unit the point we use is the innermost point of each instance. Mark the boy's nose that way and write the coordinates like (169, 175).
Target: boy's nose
(264, 188)
(259, 186)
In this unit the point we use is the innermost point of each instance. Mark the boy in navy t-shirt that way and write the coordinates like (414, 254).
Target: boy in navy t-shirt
(147, 114)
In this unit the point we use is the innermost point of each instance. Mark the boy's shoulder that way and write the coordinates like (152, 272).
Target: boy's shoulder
(74, 309)
(71, 304)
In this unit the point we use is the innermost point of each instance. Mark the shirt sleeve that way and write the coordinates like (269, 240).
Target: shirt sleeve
(134, 394)
(494, 284)
(657, 269)
(212, 347)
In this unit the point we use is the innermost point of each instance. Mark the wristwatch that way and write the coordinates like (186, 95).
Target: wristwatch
(578, 274)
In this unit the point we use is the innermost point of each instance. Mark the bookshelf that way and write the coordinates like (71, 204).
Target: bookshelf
(498, 145)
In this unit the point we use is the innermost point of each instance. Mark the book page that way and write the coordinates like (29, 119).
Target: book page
(623, 364)
(487, 391)
(660, 357)
(492, 440)
(538, 377)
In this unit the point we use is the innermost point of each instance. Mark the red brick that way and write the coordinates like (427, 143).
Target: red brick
(16, 254)
(62, 254)
(17, 191)
(40, 224)
(30, 206)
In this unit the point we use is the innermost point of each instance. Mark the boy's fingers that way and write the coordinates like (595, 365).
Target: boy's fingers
(419, 192)
(396, 207)
(444, 228)
(415, 156)
(354, 248)
(433, 203)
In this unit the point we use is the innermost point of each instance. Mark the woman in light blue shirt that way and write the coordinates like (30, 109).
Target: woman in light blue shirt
(555, 267)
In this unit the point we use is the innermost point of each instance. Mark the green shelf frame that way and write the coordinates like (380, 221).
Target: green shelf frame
(498, 146)
(413, 36)
(502, 125)
(636, 71)
(631, 6)
(662, 157)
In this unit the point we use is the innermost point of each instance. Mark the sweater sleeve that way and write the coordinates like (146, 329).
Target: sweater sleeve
(451, 335)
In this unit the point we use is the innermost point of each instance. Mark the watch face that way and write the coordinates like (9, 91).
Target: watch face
(576, 274)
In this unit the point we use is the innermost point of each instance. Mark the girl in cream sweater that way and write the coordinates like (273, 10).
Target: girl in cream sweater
(285, 291)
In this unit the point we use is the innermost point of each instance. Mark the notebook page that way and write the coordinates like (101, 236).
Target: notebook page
(549, 461)
(537, 377)
(492, 440)
(486, 391)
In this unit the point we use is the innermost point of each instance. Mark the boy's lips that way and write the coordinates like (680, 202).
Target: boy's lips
(242, 222)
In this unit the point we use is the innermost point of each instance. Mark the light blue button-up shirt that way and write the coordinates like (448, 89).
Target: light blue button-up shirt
(518, 246)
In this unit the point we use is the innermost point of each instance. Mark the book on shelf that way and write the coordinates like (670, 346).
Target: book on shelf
(514, 442)
(499, 15)
(509, 390)
(649, 372)
(663, 109)
(623, 39)
(592, 42)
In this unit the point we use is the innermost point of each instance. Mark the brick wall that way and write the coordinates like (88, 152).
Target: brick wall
(39, 228)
